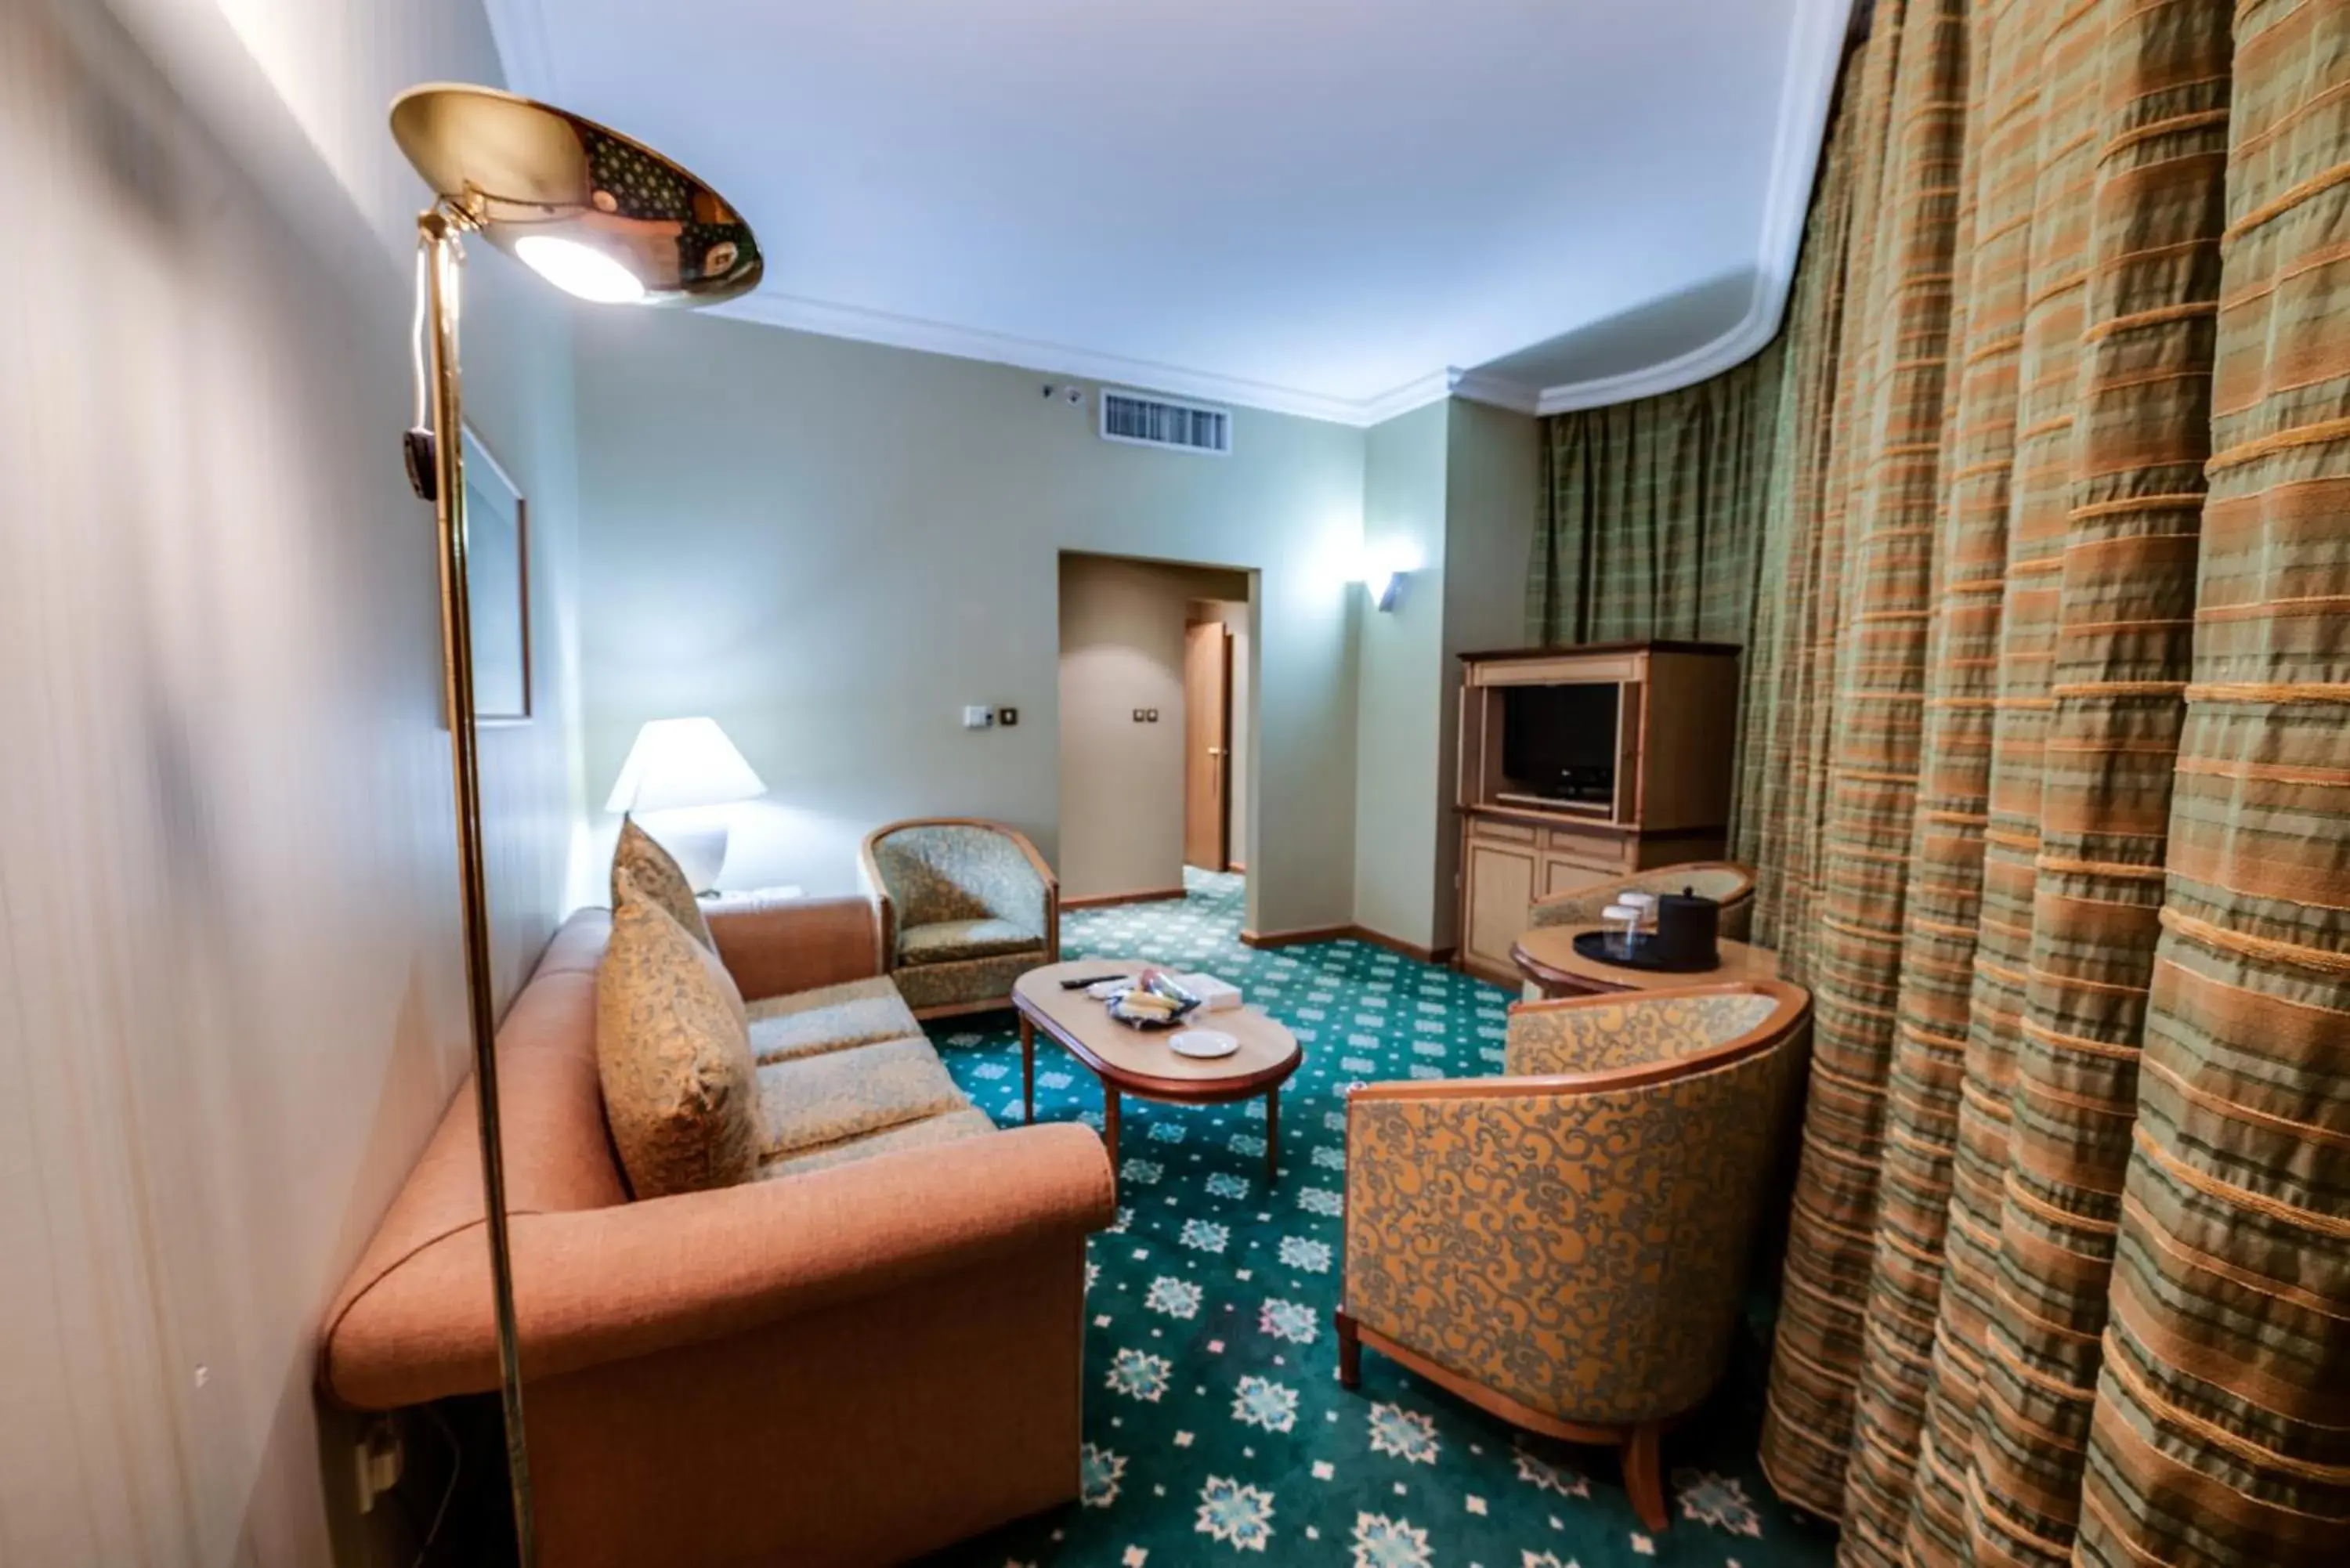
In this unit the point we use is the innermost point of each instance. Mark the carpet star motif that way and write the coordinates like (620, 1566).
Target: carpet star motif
(1261, 1402)
(1305, 1252)
(1321, 1200)
(1176, 1298)
(1406, 1434)
(1546, 1477)
(1237, 1514)
(1717, 1500)
(1098, 1474)
(1205, 1235)
(1291, 1321)
(1139, 1375)
(1223, 1184)
(1141, 1172)
(1384, 1542)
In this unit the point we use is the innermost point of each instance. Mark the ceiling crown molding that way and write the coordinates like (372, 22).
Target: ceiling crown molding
(1815, 55)
(863, 325)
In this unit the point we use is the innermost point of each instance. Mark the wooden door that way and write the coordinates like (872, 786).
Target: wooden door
(1207, 745)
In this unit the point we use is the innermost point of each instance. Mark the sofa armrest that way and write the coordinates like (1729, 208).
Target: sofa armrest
(608, 1285)
(778, 946)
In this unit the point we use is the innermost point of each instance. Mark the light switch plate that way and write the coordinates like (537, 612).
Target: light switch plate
(978, 717)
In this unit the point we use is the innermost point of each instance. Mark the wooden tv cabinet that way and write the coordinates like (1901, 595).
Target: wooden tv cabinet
(1671, 734)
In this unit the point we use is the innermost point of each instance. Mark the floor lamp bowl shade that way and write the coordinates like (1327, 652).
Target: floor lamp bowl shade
(676, 775)
(594, 212)
(607, 219)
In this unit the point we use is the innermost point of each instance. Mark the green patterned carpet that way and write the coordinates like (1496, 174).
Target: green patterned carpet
(1215, 1427)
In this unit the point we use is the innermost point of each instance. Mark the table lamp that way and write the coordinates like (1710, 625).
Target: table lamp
(678, 773)
(609, 220)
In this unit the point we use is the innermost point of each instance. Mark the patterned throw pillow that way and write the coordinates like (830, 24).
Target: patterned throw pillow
(658, 879)
(681, 1092)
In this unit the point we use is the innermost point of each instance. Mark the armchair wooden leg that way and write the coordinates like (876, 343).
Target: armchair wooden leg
(1644, 1475)
(1350, 1352)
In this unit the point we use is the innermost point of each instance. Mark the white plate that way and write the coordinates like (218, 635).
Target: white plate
(1206, 1043)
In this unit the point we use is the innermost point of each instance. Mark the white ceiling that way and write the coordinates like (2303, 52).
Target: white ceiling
(1327, 207)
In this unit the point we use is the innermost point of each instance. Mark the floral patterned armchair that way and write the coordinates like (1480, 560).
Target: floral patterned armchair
(1565, 1245)
(967, 907)
(1725, 882)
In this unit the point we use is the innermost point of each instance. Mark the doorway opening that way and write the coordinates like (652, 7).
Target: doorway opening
(1157, 673)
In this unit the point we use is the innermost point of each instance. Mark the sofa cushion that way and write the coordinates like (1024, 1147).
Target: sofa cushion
(658, 878)
(966, 986)
(924, 1134)
(841, 1094)
(958, 942)
(829, 1018)
(673, 1054)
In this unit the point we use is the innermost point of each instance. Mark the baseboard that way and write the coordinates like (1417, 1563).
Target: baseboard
(1440, 957)
(1104, 901)
(1269, 940)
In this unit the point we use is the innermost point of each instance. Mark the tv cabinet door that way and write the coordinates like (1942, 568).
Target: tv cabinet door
(1499, 896)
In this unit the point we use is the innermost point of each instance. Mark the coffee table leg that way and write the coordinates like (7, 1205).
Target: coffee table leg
(1110, 1123)
(1027, 1069)
(1273, 1134)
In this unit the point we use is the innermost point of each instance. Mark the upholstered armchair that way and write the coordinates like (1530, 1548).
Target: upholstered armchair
(1725, 882)
(1565, 1245)
(967, 907)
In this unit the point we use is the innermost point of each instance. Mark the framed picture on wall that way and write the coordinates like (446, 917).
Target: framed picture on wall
(497, 578)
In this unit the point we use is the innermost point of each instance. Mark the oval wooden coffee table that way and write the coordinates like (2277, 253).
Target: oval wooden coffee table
(1140, 1063)
(1546, 956)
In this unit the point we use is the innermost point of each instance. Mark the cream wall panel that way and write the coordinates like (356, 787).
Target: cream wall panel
(1401, 785)
(229, 992)
(831, 548)
(1493, 498)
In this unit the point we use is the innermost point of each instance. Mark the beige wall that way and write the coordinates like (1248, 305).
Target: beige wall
(228, 942)
(1398, 808)
(1492, 496)
(832, 547)
(1454, 485)
(1122, 648)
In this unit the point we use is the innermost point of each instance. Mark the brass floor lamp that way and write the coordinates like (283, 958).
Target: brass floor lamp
(609, 220)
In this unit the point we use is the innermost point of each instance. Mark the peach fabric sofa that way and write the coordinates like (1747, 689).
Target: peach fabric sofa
(852, 1361)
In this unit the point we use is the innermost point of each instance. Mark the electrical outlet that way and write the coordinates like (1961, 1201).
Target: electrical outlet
(1137, 716)
(1006, 717)
(378, 1458)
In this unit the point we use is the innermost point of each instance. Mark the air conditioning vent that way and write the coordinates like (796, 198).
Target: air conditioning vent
(1143, 421)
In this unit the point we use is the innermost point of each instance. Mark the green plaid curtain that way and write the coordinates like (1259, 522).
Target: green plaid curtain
(2047, 773)
(1654, 514)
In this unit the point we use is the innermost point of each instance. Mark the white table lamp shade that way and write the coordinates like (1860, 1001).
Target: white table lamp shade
(681, 763)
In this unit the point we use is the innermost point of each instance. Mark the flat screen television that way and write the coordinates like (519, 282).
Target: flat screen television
(1558, 742)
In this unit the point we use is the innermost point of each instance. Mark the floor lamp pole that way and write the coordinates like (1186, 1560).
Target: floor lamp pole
(438, 234)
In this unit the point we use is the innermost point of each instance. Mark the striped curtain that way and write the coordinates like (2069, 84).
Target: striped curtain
(1654, 514)
(2046, 769)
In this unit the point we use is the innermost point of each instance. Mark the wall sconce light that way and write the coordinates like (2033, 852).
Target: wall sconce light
(1381, 569)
